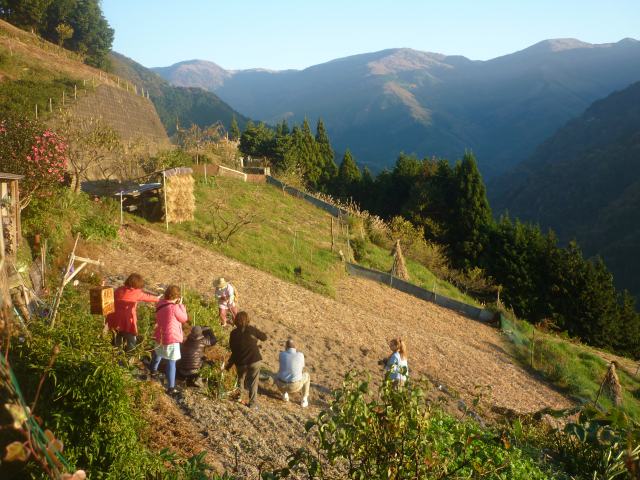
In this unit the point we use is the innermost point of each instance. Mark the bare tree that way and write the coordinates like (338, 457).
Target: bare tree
(91, 143)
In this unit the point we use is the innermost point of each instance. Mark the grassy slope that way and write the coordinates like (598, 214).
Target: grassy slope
(286, 233)
(575, 368)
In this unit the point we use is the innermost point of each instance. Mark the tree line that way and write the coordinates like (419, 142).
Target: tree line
(78, 25)
(538, 278)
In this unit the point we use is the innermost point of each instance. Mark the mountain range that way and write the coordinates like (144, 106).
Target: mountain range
(176, 105)
(584, 183)
(379, 104)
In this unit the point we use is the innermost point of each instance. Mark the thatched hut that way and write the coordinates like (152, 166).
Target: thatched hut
(179, 199)
(10, 211)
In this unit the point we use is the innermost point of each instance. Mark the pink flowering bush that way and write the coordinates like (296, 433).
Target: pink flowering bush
(28, 148)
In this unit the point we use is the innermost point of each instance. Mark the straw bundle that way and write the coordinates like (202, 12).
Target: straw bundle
(180, 200)
(399, 268)
(611, 385)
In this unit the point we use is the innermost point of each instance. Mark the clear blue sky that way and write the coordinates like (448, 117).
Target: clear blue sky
(281, 34)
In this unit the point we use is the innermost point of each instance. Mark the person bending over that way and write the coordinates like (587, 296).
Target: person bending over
(226, 296)
(192, 352)
(291, 378)
(124, 320)
(245, 355)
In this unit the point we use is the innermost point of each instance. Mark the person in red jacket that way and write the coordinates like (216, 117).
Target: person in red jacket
(170, 315)
(124, 320)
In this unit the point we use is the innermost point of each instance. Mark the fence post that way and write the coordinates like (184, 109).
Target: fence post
(332, 236)
(75, 92)
(50, 105)
(63, 98)
(36, 111)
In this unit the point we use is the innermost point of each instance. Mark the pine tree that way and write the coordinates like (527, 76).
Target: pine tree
(329, 167)
(349, 176)
(471, 213)
(234, 130)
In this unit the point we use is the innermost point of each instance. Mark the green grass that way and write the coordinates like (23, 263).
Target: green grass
(287, 237)
(576, 369)
(378, 258)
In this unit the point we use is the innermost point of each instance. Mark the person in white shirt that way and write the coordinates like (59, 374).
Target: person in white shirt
(291, 378)
(397, 364)
(226, 297)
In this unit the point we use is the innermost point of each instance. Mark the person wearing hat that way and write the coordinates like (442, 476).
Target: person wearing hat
(226, 296)
(192, 352)
(291, 378)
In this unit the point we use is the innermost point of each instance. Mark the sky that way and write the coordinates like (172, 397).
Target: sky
(282, 34)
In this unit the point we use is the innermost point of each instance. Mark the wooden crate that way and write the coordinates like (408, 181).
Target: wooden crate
(101, 300)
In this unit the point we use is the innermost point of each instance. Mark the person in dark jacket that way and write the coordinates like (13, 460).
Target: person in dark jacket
(245, 355)
(192, 352)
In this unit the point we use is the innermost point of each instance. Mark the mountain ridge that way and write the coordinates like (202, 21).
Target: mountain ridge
(381, 103)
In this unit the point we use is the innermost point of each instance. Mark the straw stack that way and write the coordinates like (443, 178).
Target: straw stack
(611, 384)
(399, 268)
(181, 202)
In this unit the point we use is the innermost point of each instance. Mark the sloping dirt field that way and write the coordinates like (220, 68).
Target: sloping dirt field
(350, 332)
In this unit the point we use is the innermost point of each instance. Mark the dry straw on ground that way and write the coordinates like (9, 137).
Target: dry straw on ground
(399, 268)
(180, 199)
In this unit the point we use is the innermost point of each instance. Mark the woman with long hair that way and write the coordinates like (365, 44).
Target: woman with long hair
(397, 364)
(245, 355)
(170, 315)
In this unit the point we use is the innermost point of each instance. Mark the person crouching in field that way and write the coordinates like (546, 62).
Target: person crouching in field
(245, 355)
(397, 364)
(226, 296)
(170, 315)
(291, 378)
(124, 320)
(192, 352)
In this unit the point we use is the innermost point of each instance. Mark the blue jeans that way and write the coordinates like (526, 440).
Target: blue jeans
(171, 369)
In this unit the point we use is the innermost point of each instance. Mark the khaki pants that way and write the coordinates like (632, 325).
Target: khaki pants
(293, 387)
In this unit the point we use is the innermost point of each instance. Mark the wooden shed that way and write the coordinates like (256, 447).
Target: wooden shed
(10, 211)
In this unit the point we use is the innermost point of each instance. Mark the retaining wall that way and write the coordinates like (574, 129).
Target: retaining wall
(469, 311)
(327, 207)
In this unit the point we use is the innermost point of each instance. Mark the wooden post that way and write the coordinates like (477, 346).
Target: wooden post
(332, 236)
(50, 106)
(75, 92)
(349, 253)
(127, 86)
(533, 345)
(84, 82)
(63, 98)
(164, 190)
(121, 210)
(36, 111)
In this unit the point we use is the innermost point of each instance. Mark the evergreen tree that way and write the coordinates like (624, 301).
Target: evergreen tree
(234, 130)
(308, 156)
(349, 176)
(472, 215)
(329, 167)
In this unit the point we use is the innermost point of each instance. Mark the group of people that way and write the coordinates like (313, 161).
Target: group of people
(186, 356)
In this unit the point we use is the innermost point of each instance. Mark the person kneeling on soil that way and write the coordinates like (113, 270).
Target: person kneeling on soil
(170, 315)
(245, 355)
(226, 296)
(124, 320)
(290, 378)
(192, 352)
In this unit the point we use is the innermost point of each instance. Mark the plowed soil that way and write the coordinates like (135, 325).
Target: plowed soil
(336, 335)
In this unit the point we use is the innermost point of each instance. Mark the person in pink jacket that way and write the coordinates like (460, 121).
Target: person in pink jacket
(170, 315)
(124, 320)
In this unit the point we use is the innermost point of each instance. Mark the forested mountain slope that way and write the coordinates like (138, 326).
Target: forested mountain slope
(381, 103)
(584, 182)
(177, 105)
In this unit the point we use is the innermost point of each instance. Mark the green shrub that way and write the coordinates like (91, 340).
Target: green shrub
(399, 435)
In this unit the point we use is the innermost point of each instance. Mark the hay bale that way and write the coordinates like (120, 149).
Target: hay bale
(611, 385)
(180, 199)
(399, 268)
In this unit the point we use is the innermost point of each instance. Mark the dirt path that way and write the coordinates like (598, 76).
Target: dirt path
(350, 332)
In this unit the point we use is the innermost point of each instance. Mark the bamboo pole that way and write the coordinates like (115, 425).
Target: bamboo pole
(166, 209)
(121, 209)
(50, 105)
(75, 92)
(36, 111)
